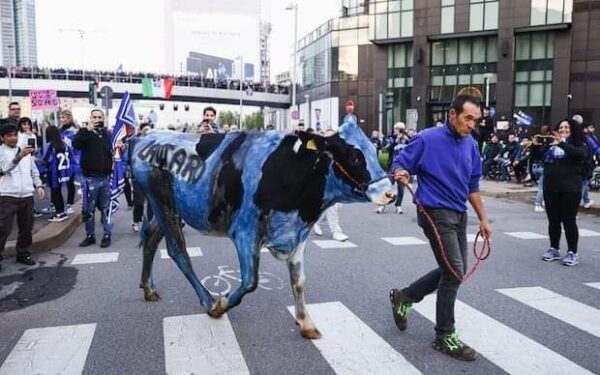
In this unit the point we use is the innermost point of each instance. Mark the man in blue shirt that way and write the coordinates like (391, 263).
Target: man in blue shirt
(447, 162)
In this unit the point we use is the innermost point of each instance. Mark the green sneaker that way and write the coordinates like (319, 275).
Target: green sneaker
(400, 309)
(451, 345)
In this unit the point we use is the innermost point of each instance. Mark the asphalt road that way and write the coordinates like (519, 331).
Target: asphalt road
(523, 315)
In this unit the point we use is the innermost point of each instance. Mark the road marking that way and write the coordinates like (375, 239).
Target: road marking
(593, 285)
(192, 252)
(95, 258)
(333, 244)
(566, 309)
(508, 349)
(404, 241)
(526, 235)
(471, 237)
(199, 344)
(352, 347)
(51, 350)
(9, 289)
(588, 233)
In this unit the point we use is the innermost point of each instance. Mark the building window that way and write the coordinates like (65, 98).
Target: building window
(545, 12)
(400, 64)
(391, 19)
(345, 63)
(456, 63)
(483, 15)
(534, 54)
(447, 22)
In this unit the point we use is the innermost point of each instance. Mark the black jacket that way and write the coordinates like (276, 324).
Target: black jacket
(563, 175)
(96, 152)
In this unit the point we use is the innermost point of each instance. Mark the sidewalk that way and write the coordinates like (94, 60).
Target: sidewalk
(527, 194)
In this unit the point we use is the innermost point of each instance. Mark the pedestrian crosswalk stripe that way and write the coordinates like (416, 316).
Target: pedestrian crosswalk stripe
(192, 252)
(588, 233)
(502, 345)
(352, 347)
(51, 350)
(332, 244)
(404, 241)
(593, 285)
(527, 235)
(566, 309)
(95, 258)
(199, 344)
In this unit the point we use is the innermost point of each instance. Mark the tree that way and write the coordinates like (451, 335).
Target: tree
(227, 117)
(254, 121)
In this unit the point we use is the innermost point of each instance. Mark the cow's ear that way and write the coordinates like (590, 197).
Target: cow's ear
(311, 142)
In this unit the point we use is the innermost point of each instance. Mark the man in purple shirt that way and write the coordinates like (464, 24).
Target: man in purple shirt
(447, 162)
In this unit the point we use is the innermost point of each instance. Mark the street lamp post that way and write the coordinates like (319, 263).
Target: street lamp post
(241, 90)
(9, 47)
(294, 7)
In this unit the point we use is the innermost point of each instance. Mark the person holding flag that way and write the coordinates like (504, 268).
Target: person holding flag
(96, 165)
(123, 131)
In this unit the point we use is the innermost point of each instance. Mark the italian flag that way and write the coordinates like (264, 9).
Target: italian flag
(157, 88)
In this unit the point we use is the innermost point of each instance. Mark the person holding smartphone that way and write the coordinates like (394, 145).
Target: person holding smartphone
(563, 175)
(96, 160)
(19, 178)
(26, 135)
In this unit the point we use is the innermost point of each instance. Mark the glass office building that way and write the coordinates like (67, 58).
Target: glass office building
(541, 57)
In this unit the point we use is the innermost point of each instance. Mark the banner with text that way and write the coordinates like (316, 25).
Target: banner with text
(43, 99)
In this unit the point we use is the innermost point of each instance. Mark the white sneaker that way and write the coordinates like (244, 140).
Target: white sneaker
(339, 236)
(399, 210)
(380, 209)
(538, 208)
(317, 229)
(588, 204)
(69, 209)
(135, 227)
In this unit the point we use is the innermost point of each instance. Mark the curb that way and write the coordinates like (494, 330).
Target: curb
(51, 235)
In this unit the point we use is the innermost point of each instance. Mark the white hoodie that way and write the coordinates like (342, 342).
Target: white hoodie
(20, 179)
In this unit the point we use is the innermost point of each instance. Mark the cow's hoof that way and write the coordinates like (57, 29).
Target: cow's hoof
(151, 296)
(218, 309)
(311, 334)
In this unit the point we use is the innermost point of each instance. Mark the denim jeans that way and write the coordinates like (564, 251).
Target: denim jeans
(97, 194)
(538, 172)
(585, 191)
(452, 227)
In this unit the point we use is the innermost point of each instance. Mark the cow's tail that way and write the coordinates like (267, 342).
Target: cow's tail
(144, 233)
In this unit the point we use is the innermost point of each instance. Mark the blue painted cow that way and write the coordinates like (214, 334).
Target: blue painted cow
(260, 189)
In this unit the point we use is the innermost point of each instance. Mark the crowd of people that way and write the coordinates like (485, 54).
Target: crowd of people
(189, 80)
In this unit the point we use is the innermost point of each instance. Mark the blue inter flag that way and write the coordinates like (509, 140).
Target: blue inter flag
(123, 131)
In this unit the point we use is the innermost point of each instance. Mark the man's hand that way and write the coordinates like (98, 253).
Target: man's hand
(485, 229)
(41, 192)
(402, 176)
(26, 151)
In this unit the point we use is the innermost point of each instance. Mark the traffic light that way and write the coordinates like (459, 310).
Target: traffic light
(389, 101)
(92, 94)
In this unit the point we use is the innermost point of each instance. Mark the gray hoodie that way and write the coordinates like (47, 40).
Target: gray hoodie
(20, 177)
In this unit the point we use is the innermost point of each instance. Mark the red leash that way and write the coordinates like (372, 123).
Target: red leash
(480, 255)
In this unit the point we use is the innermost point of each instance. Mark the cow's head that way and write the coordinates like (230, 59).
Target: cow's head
(355, 174)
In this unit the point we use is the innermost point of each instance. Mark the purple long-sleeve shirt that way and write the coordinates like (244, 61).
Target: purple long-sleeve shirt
(448, 167)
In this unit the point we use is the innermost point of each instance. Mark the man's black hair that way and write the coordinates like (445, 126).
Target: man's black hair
(209, 108)
(458, 103)
(13, 103)
(7, 129)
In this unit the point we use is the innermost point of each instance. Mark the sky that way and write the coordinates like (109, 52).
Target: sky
(131, 32)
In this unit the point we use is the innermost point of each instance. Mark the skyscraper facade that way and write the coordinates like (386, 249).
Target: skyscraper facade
(18, 35)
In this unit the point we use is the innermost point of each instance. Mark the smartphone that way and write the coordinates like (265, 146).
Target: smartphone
(31, 142)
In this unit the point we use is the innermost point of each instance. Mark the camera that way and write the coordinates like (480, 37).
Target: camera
(545, 139)
(31, 142)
